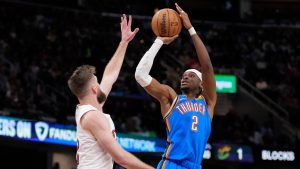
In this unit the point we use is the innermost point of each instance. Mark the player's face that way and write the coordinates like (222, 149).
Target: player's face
(190, 80)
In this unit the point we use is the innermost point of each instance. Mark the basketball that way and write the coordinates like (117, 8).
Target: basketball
(166, 23)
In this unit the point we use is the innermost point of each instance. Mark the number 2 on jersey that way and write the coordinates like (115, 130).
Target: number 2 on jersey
(195, 123)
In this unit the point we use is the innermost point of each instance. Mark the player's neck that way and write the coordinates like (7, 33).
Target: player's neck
(90, 101)
(189, 95)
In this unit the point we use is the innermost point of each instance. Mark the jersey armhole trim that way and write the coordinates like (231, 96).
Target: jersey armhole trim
(172, 107)
(83, 114)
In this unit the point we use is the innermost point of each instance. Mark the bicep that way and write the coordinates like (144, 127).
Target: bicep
(98, 126)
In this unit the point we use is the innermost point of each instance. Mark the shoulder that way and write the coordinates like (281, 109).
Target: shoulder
(93, 119)
(210, 106)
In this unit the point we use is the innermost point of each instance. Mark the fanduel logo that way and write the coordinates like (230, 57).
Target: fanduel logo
(41, 130)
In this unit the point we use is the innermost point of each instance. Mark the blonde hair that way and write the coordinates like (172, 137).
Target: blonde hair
(80, 79)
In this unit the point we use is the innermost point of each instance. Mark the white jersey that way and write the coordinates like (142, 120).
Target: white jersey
(89, 153)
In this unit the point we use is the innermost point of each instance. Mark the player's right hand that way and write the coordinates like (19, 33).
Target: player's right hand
(168, 40)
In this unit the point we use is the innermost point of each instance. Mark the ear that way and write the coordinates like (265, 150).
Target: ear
(201, 83)
(94, 89)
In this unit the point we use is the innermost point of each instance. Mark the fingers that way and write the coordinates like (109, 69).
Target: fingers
(123, 22)
(174, 37)
(125, 18)
(136, 30)
(168, 40)
(130, 21)
(126, 27)
(178, 8)
(134, 33)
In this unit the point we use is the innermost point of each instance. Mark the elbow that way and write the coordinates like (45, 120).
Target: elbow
(121, 159)
(139, 77)
(143, 80)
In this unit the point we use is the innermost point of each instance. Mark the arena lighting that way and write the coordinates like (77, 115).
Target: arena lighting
(59, 134)
(133, 143)
(233, 152)
(273, 155)
(40, 131)
(207, 152)
(37, 131)
(226, 83)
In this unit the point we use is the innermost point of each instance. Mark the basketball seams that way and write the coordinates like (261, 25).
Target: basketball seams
(164, 23)
(168, 23)
(157, 24)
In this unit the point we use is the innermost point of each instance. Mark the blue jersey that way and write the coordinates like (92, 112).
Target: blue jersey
(188, 128)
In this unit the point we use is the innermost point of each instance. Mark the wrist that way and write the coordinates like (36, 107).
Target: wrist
(159, 41)
(189, 26)
(192, 31)
(123, 42)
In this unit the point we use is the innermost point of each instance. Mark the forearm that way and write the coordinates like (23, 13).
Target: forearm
(202, 54)
(209, 82)
(113, 67)
(110, 145)
(143, 69)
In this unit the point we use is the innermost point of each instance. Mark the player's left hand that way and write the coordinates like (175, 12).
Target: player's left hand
(184, 17)
(167, 40)
(127, 34)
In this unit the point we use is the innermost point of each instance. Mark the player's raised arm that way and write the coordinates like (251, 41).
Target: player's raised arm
(209, 82)
(96, 124)
(113, 67)
(163, 93)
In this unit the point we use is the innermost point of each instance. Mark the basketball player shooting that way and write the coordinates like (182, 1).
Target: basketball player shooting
(97, 147)
(188, 115)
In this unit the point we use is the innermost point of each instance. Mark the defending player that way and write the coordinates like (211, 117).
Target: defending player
(97, 145)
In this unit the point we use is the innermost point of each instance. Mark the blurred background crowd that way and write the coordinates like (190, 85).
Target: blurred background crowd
(41, 45)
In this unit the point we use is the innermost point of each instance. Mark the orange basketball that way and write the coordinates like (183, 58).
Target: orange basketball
(166, 23)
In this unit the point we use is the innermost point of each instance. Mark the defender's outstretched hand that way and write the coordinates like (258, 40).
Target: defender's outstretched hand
(184, 17)
(167, 40)
(127, 34)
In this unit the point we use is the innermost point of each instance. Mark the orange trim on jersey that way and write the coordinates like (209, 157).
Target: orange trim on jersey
(167, 153)
(168, 150)
(170, 111)
(169, 147)
(199, 97)
(168, 124)
(164, 163)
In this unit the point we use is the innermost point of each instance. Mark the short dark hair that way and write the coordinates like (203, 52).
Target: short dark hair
(80, 78)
